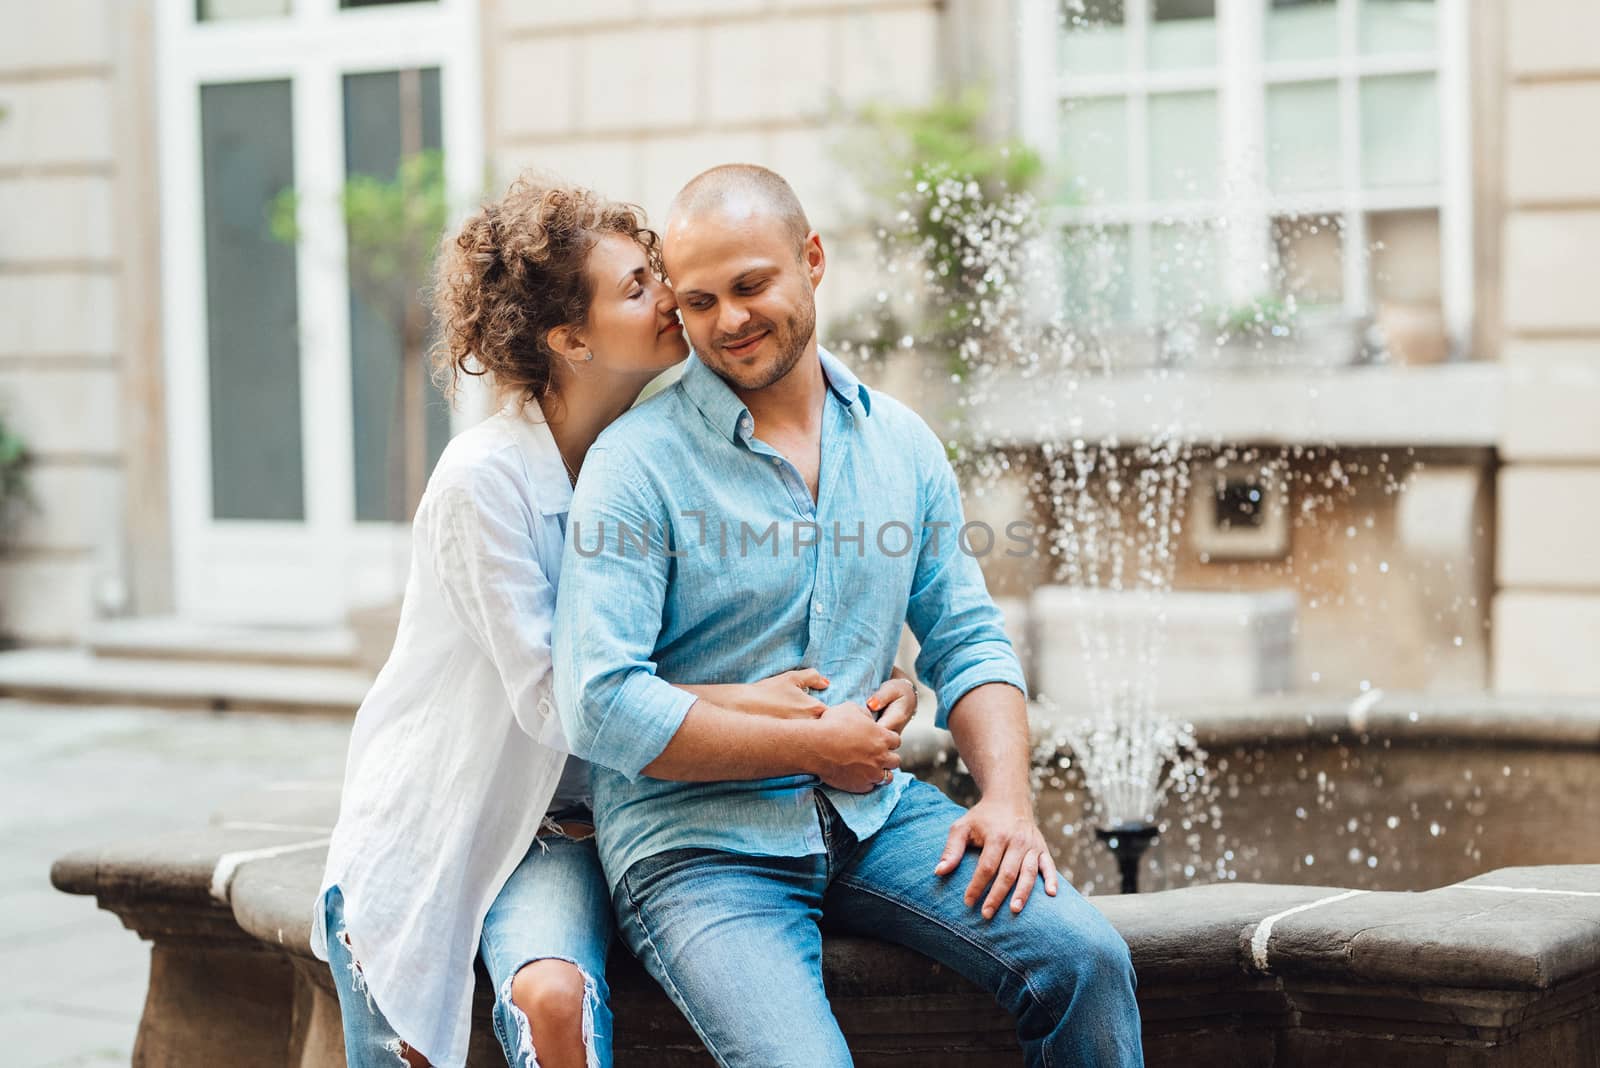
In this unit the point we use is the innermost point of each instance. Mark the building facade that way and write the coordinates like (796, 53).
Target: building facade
(205, 405)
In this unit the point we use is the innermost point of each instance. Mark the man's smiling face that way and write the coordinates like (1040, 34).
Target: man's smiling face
(745, 288)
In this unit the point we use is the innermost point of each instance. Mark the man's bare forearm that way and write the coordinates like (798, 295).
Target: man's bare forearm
(722, 694)
(990, 727)
(715, 744)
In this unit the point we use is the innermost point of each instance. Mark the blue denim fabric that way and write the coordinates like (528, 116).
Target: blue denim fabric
(369, 1041)
(735, 941)
(829, 587)
(554, 906)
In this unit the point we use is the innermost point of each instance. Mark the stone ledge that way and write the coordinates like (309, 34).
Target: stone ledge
(1477, 973)
(1465, 936)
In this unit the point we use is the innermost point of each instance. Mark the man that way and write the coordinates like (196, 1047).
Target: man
(795, 517)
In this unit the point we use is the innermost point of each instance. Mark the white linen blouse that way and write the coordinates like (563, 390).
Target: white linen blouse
(456, 751)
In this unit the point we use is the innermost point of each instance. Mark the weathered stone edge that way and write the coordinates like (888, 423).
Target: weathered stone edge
(1514, 929)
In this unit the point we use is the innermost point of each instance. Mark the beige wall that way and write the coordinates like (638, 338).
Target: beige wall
(68, 237)
(1547, 609)
(635, 97)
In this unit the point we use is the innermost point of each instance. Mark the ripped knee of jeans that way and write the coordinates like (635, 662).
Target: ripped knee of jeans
(526, 1055)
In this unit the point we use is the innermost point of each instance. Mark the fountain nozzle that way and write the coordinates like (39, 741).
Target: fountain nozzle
(1128, 841)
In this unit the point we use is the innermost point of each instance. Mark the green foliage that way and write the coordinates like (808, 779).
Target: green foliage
(392, 224)
(937, 183)
(945, 139)
(392, 228)
(1264, 317)
(14, 492)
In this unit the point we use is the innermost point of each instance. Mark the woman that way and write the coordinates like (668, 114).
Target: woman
(464, 827)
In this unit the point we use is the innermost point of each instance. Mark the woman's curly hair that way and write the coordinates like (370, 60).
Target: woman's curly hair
(514, 273)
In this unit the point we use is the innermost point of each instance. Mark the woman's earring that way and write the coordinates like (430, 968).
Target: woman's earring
(588, 356)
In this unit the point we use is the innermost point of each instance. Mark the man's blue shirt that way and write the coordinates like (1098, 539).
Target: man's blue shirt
(695, 553)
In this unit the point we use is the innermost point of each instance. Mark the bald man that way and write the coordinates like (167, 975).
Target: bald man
(769, 511)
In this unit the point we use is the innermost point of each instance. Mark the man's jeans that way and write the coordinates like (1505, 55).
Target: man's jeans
(735, 942)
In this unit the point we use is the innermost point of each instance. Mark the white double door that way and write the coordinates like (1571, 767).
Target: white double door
(281, 390)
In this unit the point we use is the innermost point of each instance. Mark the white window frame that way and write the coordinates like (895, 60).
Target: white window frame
(1241, 78)
(316, 570)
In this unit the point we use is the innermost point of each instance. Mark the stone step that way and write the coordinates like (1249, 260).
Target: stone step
(78, 675)
(172, 638)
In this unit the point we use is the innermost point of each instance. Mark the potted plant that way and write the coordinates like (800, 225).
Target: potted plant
(1267, 333)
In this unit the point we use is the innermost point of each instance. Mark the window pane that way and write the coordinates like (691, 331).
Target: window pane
(1186, 262)
(1403, 258)
(389, 115)
(1302, 137)
(1404, 255)
(253, 350)
(1095, 271)
(1310, 258)
(1094, 149)
(219, 10)
(1398, 26)
(1093, 40)
(1183, 146)
(1302, 29)
(1399, 130)
(1183, 33)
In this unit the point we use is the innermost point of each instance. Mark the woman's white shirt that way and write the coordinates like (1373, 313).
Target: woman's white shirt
(457, 750)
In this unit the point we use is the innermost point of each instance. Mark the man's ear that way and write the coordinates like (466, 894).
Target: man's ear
(816, 259)
(565, 342)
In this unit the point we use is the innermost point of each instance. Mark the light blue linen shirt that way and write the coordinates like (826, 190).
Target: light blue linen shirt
(695, 553)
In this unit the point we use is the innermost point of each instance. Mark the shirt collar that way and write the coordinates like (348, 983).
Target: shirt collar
(552, 485)
(725, 411)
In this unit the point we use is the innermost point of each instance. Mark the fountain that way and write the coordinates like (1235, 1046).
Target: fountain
(1028, 359)
(1127, 842)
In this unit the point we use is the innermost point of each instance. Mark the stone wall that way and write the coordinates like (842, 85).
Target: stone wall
(1547, 611)
(635, 97)
(77, 352)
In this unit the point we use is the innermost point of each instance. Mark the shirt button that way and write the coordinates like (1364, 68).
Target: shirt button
(816, 606)
(776, 461)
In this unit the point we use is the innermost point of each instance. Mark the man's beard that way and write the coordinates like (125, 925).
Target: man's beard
(790, 340)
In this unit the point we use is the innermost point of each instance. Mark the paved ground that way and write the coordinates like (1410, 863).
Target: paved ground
(72, 979)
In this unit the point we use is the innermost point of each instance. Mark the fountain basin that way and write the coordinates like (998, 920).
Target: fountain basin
(1501, 969)
(1498, 972)
(1397, 792)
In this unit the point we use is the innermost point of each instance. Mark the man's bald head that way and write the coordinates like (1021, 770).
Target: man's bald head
(745, 265)
(742, 190)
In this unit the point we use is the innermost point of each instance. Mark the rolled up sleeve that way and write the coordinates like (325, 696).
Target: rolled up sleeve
(962, 632)
(617, 712)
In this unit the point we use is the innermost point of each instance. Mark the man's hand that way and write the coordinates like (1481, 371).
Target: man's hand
(1013, 854)
(895, 702)
(851, 751)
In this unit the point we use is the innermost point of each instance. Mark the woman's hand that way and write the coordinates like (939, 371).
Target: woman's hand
(895, 702)
(786, 695)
